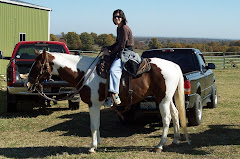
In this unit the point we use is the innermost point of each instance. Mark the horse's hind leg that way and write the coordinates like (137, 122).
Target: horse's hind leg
(164, 107)
(175, 118)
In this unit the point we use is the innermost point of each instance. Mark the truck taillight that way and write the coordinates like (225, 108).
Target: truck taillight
(11, 74)
(187, 87)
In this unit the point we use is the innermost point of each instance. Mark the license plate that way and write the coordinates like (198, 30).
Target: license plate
(148, 105)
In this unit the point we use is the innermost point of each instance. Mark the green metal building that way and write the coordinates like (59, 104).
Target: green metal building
(21, 21)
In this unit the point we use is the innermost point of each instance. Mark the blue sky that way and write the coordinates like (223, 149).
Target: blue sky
(219, 19)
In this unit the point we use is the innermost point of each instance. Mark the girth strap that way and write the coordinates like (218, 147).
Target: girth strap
(130, 92)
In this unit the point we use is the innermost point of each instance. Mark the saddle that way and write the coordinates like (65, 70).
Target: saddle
(131, 70)
(134, 69)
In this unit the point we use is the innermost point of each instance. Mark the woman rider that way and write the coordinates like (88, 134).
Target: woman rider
(124, 41)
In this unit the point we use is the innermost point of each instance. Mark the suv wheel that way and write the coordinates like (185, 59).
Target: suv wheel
(194, 114)
(213, 98)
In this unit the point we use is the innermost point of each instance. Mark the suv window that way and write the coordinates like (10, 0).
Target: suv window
(28, 51)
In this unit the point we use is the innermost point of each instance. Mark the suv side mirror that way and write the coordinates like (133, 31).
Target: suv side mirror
(211, 66)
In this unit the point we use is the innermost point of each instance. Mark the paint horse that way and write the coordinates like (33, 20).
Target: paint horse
(164, 80)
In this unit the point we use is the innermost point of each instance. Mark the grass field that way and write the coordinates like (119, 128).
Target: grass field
(60, 133)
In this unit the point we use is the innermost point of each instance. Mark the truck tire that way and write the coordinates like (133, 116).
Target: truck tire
(213, 98)
(11, 102)
(194, 114)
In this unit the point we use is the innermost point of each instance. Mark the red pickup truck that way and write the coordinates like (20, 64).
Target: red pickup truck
(20, 63)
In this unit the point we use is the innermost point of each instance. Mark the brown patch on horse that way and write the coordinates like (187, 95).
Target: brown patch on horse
(70, 76)
(158, 85)
(85, 94)
(74, 79)
(101, 91)
(140, 87)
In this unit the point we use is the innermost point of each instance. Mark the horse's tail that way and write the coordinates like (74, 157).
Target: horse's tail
(179, 98)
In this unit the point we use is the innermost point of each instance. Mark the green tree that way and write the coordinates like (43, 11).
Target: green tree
(53, 38)
(87, 41)
(94, 35)
(105, 40)
(154, 44)
(73, 41)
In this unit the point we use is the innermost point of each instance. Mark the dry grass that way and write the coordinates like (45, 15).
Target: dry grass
(59, 133)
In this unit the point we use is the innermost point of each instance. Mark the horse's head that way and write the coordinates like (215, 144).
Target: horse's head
(39, 72)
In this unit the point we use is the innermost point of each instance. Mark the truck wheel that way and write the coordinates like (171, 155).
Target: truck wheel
(194, 114)
(73, 104)
(11, 102)
(213, 98)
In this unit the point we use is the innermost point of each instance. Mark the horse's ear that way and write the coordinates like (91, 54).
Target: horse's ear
(44, 54)
(36, 52)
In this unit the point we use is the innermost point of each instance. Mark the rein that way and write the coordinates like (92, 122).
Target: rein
(70, 96)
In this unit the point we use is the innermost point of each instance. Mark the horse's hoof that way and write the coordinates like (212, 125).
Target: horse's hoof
(91, 151)
(156, 150)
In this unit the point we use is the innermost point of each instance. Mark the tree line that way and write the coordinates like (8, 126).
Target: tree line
(91, 41)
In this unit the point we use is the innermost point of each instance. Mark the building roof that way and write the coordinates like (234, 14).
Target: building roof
(21, 3)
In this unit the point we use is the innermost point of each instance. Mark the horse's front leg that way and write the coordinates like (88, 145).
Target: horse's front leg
(94, 112)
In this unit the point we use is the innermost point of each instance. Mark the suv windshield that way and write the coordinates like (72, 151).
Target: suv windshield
(28, 51)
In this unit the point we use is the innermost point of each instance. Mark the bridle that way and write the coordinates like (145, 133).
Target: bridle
(43, 73)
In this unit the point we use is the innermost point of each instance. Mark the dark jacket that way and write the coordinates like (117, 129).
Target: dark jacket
(124, 40)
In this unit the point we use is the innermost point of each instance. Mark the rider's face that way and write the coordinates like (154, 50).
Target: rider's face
(117, 19)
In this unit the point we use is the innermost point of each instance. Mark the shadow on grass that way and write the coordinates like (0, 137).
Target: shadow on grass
(32, 113)
(217, 135)
(40, 152)
(79, 125)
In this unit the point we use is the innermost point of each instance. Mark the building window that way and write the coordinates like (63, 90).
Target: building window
(22, 36)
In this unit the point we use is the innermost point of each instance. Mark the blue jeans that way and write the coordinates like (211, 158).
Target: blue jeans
(115, 75)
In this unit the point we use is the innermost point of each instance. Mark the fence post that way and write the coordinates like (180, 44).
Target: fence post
(224, 60)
